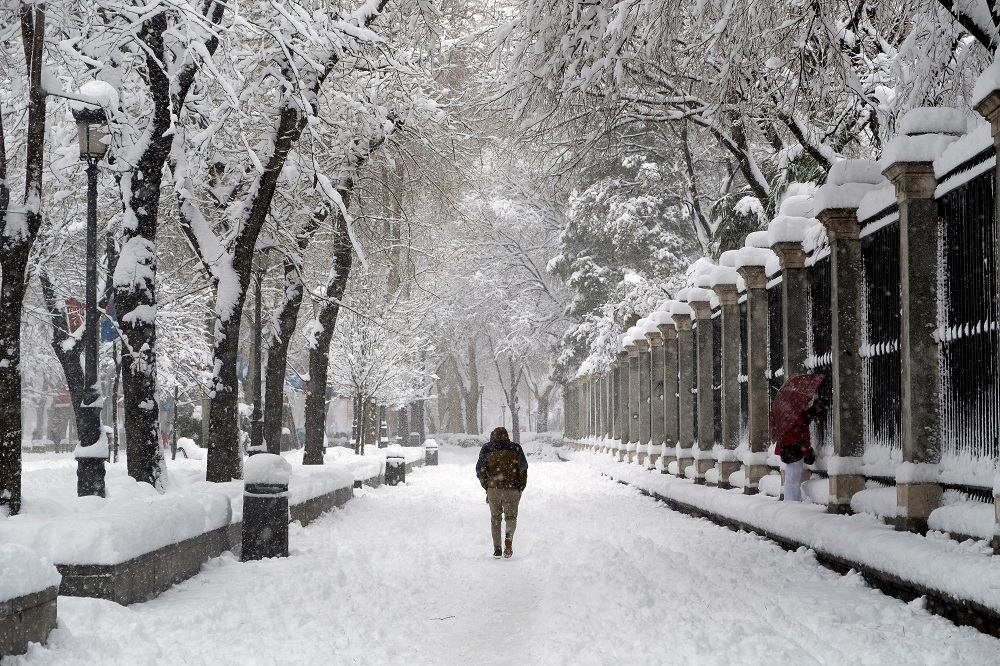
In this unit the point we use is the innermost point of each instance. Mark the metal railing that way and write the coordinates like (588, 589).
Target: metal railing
(880, 324)
(966, 331)
(819, 346)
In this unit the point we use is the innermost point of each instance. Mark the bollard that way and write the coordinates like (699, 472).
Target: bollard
(265, 507)
(430, 453)
(395, 470)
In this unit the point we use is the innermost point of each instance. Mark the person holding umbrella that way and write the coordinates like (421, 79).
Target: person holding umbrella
(794, 408)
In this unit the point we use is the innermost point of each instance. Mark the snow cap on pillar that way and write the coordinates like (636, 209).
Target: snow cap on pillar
(755, 253)
(795, 215)
(648, 326)
(986, 84)
(662, 318)
(725, 272)
(924, 133)
(679, 307)
(848, 182)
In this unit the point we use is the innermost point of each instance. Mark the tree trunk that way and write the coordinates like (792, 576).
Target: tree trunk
(319, 352)
(277, 356)
(281, 335)
(543, 410)
(69, 356)
(135, 278)
(452, 385)
(417, 420)
(471, 396)
(16, 238)
(225, 461)
(11, 303)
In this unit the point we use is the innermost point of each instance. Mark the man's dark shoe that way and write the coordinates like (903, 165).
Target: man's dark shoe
(496, 553)
(507, 550)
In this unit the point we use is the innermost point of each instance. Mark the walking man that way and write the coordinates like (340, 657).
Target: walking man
(502, 469)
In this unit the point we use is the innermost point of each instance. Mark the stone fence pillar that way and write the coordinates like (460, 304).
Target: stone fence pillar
(836, 208)
(633, 398)
(624, 414)
(917, 492)
(686, 377)
(643, 363)
(656, 399)
(750, 264)
(724, 283)
(700, 302)
(665, 324)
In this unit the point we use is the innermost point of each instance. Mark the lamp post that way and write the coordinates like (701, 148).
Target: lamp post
(503, 415)
(481, 424)
(90, 455)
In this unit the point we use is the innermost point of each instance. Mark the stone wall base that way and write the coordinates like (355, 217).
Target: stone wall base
(664, 467)
(149, 575)
(683, 464)
(915, 502)
(842, 488)
(700, 467)
(27, 619)
(754, 473)
(727, 469)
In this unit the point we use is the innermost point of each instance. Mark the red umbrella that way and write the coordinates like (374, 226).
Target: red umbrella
(793, 397)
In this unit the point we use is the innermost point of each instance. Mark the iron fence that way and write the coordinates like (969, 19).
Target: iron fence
(881, 369)
(967, 326)
(819, 345)
(775, 338)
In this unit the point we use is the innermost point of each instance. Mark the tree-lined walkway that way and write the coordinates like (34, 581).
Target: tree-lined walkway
(600, 575)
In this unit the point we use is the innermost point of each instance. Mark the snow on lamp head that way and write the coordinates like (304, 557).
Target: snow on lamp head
(91, 120)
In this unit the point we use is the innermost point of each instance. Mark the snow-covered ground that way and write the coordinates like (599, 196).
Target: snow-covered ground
(600, 575)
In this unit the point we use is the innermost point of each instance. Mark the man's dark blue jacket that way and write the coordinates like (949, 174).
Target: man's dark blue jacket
(502, 464)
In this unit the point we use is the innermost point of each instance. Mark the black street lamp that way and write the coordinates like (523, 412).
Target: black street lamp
(90, 455)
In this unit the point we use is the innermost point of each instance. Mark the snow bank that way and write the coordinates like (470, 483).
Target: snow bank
(937, 564)
(987, 82)
(23, 572)
(134, 518)
(94, 530)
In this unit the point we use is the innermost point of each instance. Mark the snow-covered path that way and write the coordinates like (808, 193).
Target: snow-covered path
(600, 575)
